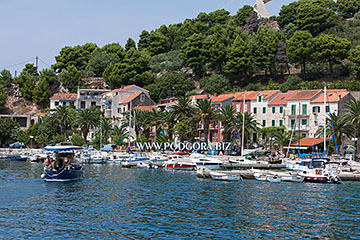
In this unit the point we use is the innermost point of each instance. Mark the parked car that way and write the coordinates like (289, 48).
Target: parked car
(17, 145)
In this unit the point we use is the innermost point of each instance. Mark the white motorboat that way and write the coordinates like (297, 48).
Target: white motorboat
(224, 176)
(260, 176)
(202, 160)
(273, 178)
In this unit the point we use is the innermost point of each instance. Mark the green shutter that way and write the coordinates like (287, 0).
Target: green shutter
(273, 109)
(264, 109)
(304, 109)
(280, 123)
(281, 109)
(293, 109)
(273, 123)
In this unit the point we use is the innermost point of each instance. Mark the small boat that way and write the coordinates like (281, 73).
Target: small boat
(178, 162)
(19, 157)
(64, 166)
(261, 176)
(96, 157)
(292, 178)
(224, 176)
(203, 172)
(205, 161)
(274, 178)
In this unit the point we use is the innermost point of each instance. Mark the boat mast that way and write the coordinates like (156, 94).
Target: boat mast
(100, 130)
(130, 124)
(325, 119)
(243, 129)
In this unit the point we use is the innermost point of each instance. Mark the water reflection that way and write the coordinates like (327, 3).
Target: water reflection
(112, 202)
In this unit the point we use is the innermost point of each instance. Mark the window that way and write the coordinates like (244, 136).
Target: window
(281, 109)
(316, 109)
(293, 109)
(245, 106)
(264, 123)
(303, 122)
(119, 110)
(142, 98)
(304, 109)
(264, 109)
(255, 110)
(259, 98)
(327, 109)
(273, 123)
(82, 104)
(293, 124)
(237, 107)
(93, 103)
(281, 123)
(303, 135)
(72, 103)
(56, 103)
(273, 109)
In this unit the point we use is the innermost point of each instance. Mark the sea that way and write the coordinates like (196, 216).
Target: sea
(111, 202)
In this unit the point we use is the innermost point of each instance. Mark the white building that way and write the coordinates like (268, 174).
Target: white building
(63, 99)
(118, 101)
(87, 98)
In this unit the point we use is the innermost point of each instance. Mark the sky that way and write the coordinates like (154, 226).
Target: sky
(43, 27)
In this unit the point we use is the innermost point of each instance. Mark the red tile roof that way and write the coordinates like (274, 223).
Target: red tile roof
(123, 87)
(266, 94)
(282, 98)
(334, 95)
(305, 94)
(132, 97)
(222, 97)
(64, 96)
(199, 96)
(308, 142)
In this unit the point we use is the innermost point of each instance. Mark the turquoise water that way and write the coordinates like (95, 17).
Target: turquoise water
(115, 203)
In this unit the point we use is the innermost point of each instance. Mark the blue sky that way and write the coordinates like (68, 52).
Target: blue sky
(42, 27)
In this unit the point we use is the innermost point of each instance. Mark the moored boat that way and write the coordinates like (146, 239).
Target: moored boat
(64, 166)
(225, 176)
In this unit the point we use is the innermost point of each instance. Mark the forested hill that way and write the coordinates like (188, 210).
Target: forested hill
(311, 41)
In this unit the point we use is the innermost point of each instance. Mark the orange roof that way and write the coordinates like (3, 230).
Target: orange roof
(199, 96)
(64, 96)
(308, 142)
(305, 94)
(222, 97)
(266, 94)
(169, 103)
(132, 97)
(282, 98)
(334, 95)
(122, 88)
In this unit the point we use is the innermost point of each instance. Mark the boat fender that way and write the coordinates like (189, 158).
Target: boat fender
(43, 175)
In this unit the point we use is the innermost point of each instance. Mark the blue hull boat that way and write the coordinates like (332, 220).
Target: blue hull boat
(63, 175)
(21, 159)
(64, 167)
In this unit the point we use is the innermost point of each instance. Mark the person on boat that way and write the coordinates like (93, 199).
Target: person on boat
(48, 162)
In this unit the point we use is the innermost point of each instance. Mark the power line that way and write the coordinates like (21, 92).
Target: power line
(44, 63)
(13, 65)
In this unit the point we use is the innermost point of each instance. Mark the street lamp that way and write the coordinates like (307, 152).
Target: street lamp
(31, 138)
(355, 140)
(271, 140)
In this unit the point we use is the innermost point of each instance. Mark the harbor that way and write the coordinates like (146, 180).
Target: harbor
(115, 202)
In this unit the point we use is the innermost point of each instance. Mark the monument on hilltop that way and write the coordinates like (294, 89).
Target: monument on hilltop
(260, 8)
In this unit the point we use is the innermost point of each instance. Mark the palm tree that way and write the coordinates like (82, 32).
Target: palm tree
(118, 134)
(183, 108)
(157, 120)
(87, 119)
(282, 138)
(207, 114)
(250, 125)
(64, 115)
(228, 120)
(352, 116)
(338, 126)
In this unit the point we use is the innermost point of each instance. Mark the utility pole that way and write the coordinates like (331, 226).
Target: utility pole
(37, 63)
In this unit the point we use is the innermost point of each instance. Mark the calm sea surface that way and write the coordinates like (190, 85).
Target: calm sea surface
(115, 203)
